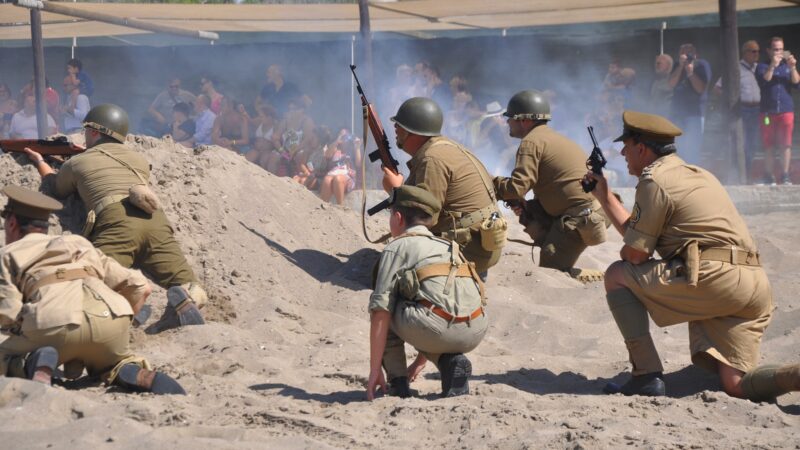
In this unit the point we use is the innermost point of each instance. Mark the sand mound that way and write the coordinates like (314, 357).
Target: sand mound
(284, 358)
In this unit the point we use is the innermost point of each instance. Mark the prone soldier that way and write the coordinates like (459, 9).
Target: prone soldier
(709, 274)
(562, 219)
(124, 219)
(455, 177)
(62, 301)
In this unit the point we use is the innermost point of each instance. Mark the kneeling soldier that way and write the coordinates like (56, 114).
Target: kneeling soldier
(427, 295)
(65, 302)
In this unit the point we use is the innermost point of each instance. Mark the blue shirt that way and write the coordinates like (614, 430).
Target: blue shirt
(686, 102)
(86, 84)
(775, 95)
(204, 124)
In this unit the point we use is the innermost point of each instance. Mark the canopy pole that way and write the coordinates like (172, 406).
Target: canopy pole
(731, 88)
(38, 73)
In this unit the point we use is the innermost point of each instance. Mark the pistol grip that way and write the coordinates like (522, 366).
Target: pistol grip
(588, 186)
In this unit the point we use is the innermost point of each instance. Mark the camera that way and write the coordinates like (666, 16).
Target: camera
(690, 57)
(787, 54)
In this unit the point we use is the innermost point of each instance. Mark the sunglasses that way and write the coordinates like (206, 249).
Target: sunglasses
(5, 213)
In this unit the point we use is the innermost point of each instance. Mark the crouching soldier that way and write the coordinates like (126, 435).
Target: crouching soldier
(62, 301)
(427, 295)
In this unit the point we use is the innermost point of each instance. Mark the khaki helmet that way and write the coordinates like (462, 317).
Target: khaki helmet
(108, 119)
(421, 116)
(528, 105)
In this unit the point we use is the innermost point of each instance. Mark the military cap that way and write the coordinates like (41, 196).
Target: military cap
(416, 197)
(648, 128)
(30, 204)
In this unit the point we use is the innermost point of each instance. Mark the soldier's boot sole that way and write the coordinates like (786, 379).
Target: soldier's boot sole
(648, 385)
(188, 312)
(41, 364)
(456, 370)
(138, 379)
(586, 275)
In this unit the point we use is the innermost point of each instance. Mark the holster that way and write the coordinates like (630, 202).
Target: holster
(91, 217)
(691, 258)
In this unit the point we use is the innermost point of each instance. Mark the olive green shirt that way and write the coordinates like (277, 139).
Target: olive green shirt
(451, 177)
(552, 166)
(411, 253)
(38, 255)
(95, 175)
(677, 202)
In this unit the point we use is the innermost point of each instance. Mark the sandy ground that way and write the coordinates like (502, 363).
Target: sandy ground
(284, 359)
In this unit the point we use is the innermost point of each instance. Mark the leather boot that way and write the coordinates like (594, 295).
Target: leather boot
(456, 370)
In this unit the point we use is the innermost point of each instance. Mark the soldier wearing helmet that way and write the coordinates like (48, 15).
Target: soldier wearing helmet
(562, 219)
(124, 219)
(452, 174)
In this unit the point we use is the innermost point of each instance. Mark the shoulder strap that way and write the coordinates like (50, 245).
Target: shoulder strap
(136, 172)
(486, 183)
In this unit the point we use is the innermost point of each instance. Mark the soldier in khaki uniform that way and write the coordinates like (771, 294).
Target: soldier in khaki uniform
(562, 219)
(103, 176)
(65, 302)
(452, 174)
(426, 295)
(709, 274)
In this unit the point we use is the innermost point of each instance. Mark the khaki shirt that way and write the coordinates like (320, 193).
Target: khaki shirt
(552, 166)
(37, 255)
(95, 175)
(676, 203)
(451, 177)
(413, 252)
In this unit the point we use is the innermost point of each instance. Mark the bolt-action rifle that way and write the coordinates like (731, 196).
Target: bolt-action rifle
(59, 146)
(595, 163)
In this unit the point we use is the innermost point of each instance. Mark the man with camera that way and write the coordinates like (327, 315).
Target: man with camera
(689, 80)
(776, 78)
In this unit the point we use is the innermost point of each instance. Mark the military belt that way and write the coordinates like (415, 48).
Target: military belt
(59, 276)
(447, 316)
(107, 201)
(731, 255)
(475, 217)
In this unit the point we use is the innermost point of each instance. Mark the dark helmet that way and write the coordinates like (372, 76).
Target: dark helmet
(108, 119)
(528, 105)
(420, 115)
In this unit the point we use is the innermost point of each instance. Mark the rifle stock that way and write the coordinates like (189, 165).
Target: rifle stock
(59, 146)
(383, 152)
(595, 163)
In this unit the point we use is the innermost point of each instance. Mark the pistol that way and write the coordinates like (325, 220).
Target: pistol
(595, 163)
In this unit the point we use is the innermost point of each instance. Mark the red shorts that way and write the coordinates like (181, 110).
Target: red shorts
(778, 134)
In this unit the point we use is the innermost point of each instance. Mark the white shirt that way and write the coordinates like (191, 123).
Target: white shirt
(749, 92)
(24, 126)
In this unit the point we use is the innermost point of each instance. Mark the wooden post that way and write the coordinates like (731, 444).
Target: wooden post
(731, 88)
(366, 40)
(38, 72)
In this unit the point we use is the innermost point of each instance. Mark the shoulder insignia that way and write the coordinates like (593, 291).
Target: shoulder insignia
(636, 214)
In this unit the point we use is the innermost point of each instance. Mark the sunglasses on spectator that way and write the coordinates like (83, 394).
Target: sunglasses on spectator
(5, 213)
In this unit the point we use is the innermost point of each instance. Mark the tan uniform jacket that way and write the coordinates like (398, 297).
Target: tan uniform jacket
(95, 175)
(451, 177)
(38, 255)
(552, 166)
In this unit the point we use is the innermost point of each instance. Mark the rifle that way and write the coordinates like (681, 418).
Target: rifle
(383, 152)
(595, 163)
(59, 146)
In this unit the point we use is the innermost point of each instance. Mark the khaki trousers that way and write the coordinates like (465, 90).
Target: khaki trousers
(147, 242)
(100, 343)
(429, 334)
(561, 247)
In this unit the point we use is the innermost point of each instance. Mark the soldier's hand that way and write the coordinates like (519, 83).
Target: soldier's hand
(376, 379)
(391, 180)
(33, 154)
(600, 190)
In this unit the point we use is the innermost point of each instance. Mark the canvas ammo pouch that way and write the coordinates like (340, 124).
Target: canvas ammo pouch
(494, 232)
(589, 222)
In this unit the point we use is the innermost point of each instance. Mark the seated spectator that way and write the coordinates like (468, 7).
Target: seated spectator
(293, 138)
(204, 121)
(8, 106)
(183, 126)
(51, 98)
(24, 123)
(208, 87)
(158, 121)
(264, 124)
(277, 92)
(231, 129)
(343, 160)
(79, 77)
(314, 167)
(75, 107)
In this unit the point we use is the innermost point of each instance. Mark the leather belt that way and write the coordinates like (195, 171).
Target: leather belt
(59, 276)
(447, 316)
(731, 255)
(467, 220)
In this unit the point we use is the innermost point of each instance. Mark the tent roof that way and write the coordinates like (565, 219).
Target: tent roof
(423, 18)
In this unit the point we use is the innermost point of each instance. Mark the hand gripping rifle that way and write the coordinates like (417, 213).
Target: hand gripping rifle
(595, 163)
(383, 152)
(59, 146)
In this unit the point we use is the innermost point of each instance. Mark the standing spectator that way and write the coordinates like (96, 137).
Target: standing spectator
(76, 106)
(660, 89)
(79, 77)
(749, 99)
(208, 87)
(690, 80)
(158, 121)
(204, 121)
(24, 124)
(776, 78)
(183, 126)
(8, 106)
(277, 92)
